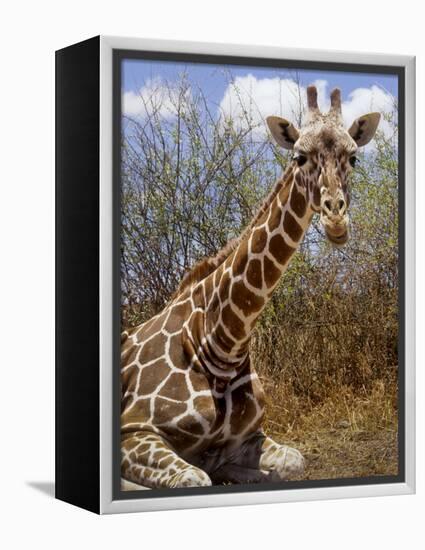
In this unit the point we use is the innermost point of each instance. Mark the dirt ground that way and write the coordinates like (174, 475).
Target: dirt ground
(350, 435)
(344, 453)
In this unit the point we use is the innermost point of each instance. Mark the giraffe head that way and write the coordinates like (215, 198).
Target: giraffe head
(324, 156)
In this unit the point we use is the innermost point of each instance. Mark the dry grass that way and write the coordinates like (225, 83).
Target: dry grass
(350, 434)
(328, 359)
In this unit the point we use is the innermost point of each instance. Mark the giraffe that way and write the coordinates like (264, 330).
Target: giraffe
(192, 403)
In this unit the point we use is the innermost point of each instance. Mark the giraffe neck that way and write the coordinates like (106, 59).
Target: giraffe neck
(238, 291)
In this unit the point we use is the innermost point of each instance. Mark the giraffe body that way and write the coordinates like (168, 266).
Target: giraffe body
(203, 419)
(188, 406)
(192, 403)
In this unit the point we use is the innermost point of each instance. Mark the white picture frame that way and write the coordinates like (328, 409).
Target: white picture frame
(107, 455)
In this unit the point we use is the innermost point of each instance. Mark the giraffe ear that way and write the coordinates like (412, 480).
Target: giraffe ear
(284, 133)
(363, 128)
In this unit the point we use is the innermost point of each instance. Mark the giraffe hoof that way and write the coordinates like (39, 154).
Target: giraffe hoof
(290, 465)
(192, 477)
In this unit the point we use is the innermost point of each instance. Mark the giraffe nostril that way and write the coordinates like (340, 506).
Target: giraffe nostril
(341, 204)
(327, 205)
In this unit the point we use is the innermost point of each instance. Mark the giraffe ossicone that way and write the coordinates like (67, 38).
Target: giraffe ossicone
(192, 403)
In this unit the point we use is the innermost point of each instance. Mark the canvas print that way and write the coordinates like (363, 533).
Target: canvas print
(259, 274)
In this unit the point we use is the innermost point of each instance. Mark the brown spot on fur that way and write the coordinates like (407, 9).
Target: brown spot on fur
(244, 400)
(198, 296)
(153, 348)
(166, 411)
(307, 193)
(210, 352)
(197, 323)
(143, 447)
(209, 287)
(254, 273)
(284, 194)
(199, 381)
(151, 376)
(214, 302)
(275, 218)
(130, 442)
(243, 412)
(129, 355)
(292, 227)
(297, 202)
(280, 250)
(160, 453)
(181, 441)
(126, 401)
(213, 310)
(189, 349)
(176, 387)
(316, 196)
(224, 287)
(166, 461)
(271, 272)
(205, 407)
(139, 412)
(129, 378)
(190, 424)
(228, 261)
(259, 240)
(241, 258)
(177, 355)
(221, 338)
(234, 325)
(150, 328)
(178, 315)
(153, 439)
(218, 274)
(246, 300)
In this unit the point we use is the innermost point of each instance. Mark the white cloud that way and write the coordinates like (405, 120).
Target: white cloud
(255, 98)
(154, 96)
(258, 98)
(366, 100)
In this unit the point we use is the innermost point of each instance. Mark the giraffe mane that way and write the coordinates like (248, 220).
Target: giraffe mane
(206, 266)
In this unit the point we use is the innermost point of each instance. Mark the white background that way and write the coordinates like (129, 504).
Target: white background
(29, 34)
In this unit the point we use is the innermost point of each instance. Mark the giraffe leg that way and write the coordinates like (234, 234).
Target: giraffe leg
(148, 460)
(281, 461)
(278, 462)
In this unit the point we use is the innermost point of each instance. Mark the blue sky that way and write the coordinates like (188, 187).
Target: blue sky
(272, 89)
(136, 72)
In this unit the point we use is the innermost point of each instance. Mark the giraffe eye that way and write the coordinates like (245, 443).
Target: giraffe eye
(353, 160)
(300, 159)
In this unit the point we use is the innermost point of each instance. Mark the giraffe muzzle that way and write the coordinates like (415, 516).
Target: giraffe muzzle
(334, 215)
(337, 239)
(336, 228)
